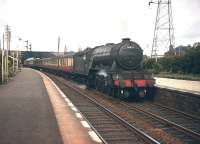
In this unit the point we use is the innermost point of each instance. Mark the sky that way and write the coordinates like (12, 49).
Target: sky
(89, 23)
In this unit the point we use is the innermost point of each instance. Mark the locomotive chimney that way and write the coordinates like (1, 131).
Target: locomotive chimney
(126, 40)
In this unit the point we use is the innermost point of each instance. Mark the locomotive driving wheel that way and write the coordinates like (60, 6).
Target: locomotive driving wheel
(91, 81)
(141, 93)
(124, 94)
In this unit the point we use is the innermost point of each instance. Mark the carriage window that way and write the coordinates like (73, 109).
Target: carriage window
(69, 62)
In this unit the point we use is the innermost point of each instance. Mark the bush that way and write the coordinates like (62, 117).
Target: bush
(186, 64)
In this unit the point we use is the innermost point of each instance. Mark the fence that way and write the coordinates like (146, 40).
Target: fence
(4, 66)
(9, 64)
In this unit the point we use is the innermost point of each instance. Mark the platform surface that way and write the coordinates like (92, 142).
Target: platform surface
(27, 115)
(181, 85)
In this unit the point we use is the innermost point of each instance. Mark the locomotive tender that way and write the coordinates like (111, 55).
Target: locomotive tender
(116, 69)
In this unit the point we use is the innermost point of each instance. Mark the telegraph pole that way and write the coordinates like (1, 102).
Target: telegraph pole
(58, 49)
(3, 42)
(8, 37)
(30, 47)
(65, 51)
(58, 44)
(13, 60)
(2, 61)
(163, 39)
(26, 45)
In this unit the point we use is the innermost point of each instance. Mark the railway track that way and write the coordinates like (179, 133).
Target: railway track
(189, 122)
(111, 127)
(181, 125)
(180, 128)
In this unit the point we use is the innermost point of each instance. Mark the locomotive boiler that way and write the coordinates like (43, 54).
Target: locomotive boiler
(126, 55)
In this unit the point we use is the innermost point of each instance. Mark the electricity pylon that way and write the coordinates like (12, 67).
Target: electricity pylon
(163, 39)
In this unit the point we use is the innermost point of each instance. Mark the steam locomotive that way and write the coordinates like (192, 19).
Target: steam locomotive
(115, 69)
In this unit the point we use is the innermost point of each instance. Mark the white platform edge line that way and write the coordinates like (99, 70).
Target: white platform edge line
(91, 133)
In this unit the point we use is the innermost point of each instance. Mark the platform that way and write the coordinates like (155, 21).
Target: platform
(181, 85)
(33, 110)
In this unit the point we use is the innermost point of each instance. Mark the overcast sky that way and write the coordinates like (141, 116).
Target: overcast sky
(88, 23)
